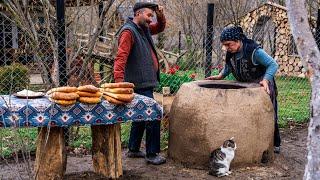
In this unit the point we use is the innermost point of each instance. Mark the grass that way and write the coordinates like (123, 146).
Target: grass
(14, 141)
(293, 97)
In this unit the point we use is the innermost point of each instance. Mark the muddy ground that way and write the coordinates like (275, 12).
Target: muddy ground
(289, 164)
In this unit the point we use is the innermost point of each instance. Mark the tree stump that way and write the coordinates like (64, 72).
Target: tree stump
(51, 157)
(106, 150)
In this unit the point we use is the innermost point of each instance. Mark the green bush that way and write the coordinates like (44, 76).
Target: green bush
(174, 81)
(13, 78)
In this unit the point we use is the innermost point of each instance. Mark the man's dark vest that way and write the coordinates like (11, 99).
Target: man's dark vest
(243, 69)
(140, 65)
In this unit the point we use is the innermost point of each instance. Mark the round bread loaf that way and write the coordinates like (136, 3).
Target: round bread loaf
(118, 85)
(121, 97)
(90, 100)
(88, 88)
(89, 94)
(113, 100)
(119, 90)
(64, 96)
(65, 89)
(63, 102)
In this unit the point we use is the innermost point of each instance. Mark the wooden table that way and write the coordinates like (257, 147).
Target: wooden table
(104, 119)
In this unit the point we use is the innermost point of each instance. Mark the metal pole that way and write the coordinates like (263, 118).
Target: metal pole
(209, 40)
(101, 69)
(62, 58)
(317, 35)
(61, 39)
(100, 13)
(179, 47)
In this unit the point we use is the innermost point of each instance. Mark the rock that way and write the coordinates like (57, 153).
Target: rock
(201, 119)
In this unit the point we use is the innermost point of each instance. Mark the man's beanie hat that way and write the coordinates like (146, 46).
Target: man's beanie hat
(140, 5)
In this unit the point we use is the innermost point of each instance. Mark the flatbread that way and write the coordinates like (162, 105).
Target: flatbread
(66, 89)
(64, 96)
(113, 100)
(120, 97)
(63, 102)
(90, 100)
(119, 90)
(88, 88)
(89, 94)
(118, 85)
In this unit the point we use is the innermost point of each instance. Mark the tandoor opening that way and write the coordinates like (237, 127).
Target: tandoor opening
(221, 86)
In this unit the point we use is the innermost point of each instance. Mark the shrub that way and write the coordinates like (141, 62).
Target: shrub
(13, 78)
(174, 79)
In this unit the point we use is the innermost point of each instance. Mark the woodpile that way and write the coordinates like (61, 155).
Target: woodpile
(288, 60)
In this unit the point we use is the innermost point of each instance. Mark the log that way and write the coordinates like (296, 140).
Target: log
(296, 69)
(280, 45)
(290, 68)
(282, 53)
(291, 61)
(106, 150)
(51, 157)
(285, 58)
(283, 40)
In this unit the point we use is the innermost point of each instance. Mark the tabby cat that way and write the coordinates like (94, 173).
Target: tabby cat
(221, 158)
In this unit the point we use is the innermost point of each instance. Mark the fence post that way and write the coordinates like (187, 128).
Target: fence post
(61, 39)
(62, 54)
(317, 34)
(179, 45)
(101, 39)
(209, 39)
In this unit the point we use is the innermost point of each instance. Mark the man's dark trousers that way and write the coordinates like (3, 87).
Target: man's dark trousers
(152, 131)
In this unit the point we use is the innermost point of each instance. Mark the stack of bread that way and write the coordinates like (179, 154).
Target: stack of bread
(63, 95)
(89, 94)
(118, 93)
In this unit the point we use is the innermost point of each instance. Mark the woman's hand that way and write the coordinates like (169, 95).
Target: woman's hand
(265, 84)
(218, 77)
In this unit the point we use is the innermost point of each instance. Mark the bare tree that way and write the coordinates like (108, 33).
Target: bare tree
(310, 55)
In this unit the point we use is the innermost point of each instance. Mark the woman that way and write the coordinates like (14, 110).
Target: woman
(248, 62)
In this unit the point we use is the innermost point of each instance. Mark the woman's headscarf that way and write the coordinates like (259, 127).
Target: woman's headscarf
(232, 33)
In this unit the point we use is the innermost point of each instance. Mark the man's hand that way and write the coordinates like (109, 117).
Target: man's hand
(218, 77)
(265, 84)
(159, 11)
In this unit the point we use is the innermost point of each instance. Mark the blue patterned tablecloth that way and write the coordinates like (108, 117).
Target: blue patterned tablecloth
(16, 112)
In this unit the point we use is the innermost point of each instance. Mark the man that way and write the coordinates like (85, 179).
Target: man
(137, 62)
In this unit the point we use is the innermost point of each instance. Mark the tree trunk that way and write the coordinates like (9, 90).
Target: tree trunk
(51, 158)
(106, 150)
(310, 57)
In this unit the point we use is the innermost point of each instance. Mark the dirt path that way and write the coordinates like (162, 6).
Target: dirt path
(288, 165)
